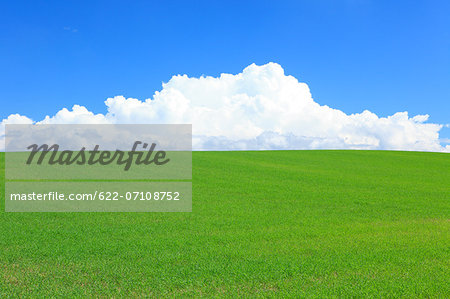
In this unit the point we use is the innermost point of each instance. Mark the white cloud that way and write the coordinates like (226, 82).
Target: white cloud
(260, 108)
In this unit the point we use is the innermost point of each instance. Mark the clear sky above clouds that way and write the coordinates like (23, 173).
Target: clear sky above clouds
(383, 56)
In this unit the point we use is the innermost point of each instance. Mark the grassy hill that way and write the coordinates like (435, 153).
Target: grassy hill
(272, 223)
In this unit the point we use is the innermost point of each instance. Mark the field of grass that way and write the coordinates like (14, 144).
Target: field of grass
(268, 224)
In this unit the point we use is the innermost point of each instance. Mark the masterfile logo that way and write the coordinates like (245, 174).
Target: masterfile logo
(94, 156)
(97, 168)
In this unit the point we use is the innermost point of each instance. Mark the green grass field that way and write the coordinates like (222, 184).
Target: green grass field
(268, 224)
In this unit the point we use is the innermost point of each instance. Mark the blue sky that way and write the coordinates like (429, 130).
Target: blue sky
(384, 56)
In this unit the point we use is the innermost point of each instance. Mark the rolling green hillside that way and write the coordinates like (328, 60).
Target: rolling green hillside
(269, 223)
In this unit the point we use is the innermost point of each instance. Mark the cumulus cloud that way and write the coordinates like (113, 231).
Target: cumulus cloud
(260, 108)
